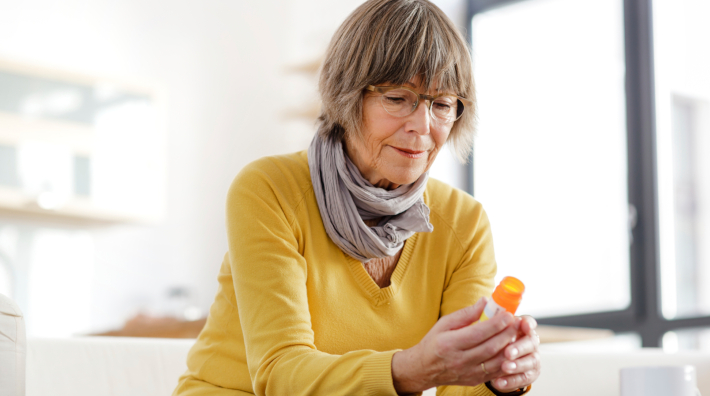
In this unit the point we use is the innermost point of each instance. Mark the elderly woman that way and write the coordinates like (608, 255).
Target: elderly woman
(349, 270)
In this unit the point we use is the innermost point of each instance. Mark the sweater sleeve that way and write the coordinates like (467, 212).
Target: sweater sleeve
(270, 285)
(471, 280)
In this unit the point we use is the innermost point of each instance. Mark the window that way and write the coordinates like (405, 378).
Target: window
(687, 340)
(550, 155)
(551, 73)
(682, 60)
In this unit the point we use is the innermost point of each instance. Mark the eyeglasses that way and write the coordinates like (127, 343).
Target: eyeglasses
(402, 101)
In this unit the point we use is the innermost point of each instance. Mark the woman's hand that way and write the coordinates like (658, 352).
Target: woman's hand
(452, 352)
(522, 359)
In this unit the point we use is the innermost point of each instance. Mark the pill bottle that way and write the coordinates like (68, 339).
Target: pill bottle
(506, 297)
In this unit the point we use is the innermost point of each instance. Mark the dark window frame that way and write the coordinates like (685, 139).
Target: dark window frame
(643, 316)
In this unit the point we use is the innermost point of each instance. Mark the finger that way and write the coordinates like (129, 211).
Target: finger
(494, 366)
(517, 322)
(528, 324)
(512, 382)
(490, 347)
(463, 317)
(522, 365)
(522, 347)
(471, 336)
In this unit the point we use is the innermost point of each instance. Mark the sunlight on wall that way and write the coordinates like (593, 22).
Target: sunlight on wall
(60, 283)
(128, 171)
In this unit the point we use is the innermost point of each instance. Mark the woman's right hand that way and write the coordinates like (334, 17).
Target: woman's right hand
(452, 351)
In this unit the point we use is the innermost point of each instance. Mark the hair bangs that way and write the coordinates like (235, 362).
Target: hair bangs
(417, 48)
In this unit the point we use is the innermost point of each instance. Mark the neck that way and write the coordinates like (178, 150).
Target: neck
(372, 222)
(383, 183)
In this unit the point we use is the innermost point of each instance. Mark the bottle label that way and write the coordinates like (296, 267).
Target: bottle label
(490, 310)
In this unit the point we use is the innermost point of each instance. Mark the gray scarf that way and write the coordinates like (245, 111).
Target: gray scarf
(345, 199)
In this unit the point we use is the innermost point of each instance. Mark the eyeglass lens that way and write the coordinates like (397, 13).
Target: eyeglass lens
(402, 102)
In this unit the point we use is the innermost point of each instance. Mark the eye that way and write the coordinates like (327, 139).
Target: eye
(442, 106)
(393, 99)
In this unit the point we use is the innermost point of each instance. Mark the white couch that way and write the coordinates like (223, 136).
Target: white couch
(104, 366)
(112, 366)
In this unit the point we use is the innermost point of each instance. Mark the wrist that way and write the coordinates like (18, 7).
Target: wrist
(514, 392)
(406, 376)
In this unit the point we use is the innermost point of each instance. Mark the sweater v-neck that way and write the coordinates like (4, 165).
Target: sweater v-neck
(380, 296)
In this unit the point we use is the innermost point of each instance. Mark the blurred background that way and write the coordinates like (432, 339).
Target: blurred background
(122, 125)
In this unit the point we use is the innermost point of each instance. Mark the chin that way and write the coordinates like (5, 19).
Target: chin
(401, 171)
(408, 176)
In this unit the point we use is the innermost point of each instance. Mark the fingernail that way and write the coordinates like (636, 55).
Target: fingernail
(513, 353)
(509, 366)
(502, 383)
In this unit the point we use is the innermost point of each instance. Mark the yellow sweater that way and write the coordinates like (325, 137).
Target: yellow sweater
(294, 315)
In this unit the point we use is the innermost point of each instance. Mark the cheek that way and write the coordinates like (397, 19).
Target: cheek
(371, 145)
(440, 135)
(376, 136)
(375, 129)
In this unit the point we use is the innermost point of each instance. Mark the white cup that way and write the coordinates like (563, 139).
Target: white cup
(659, 381)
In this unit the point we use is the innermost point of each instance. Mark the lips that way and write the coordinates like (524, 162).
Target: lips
(409, 153)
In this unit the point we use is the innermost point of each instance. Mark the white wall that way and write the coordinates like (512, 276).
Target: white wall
(224, 64)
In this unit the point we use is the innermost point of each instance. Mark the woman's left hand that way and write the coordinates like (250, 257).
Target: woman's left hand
(521, 365)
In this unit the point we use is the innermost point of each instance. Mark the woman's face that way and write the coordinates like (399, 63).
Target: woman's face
(396, 150)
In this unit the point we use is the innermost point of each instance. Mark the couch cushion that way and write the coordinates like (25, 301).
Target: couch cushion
(116, 366)
(103, 366)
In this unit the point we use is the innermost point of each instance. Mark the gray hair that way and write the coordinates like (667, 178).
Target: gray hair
(393, 41)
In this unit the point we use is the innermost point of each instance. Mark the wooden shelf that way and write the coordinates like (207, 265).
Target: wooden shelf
(15, 203)
(550, 334)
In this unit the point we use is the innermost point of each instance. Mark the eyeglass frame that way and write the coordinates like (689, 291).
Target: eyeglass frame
(384, 89)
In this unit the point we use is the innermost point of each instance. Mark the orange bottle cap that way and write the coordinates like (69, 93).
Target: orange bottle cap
(509, 293)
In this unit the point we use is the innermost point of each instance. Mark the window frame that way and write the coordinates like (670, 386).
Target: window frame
(643, 316)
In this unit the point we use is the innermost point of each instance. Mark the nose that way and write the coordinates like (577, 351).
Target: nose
(420, 119)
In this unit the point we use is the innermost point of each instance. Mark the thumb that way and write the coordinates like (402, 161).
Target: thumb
(465, 316)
